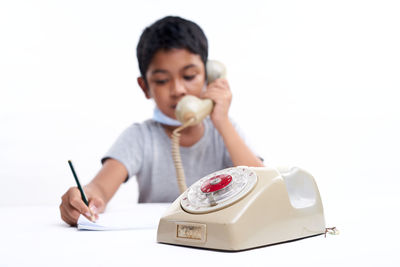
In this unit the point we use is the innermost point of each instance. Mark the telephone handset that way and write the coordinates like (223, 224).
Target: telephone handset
(191, 107)
(190, 111)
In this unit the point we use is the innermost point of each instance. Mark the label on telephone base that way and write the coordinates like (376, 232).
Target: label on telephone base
(191, 231)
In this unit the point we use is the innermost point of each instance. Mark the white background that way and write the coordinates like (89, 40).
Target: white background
(314, 85)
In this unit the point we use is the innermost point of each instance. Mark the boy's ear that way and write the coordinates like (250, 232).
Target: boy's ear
(144, 87)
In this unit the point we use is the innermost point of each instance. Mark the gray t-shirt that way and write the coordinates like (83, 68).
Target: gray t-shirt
(145, 150)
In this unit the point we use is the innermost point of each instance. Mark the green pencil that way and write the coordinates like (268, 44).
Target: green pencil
(80, 189)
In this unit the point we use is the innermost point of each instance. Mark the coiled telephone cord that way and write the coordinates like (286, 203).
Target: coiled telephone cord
(176, 155)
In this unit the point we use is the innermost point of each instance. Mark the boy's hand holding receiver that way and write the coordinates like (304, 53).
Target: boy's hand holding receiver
(219, 92)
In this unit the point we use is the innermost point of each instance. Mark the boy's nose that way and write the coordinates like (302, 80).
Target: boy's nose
(178, 88)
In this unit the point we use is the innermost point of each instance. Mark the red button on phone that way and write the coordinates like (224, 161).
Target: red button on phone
(216, 183)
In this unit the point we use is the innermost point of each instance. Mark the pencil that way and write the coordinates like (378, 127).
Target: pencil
(92, 218)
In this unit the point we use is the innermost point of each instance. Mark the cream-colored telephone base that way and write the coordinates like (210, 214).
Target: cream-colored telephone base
(284, 205)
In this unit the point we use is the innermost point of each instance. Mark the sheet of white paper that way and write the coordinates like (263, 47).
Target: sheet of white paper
(140, 216)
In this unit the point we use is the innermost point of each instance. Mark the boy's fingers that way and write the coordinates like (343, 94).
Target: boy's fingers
(211, 95)
(219, 84)
(72, 206)
(64, 215)
(69, 214)
(74, 214)
(215, 92)
(96, 205)
(77, 203)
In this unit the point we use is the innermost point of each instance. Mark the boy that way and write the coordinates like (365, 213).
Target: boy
(172, 54)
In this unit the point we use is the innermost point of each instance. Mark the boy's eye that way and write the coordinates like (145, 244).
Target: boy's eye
(161, 82)
(189, 77)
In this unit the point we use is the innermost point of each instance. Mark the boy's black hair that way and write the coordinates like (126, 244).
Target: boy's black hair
(168, 33)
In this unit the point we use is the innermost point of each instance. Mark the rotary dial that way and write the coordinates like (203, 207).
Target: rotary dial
(218, 190)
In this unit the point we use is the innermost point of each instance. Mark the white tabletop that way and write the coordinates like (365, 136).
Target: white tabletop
(36, 236)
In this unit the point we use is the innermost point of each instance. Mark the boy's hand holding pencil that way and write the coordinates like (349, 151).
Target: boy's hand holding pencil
(76, 201)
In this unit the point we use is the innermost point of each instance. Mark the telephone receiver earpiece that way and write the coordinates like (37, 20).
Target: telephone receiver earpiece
(191, 107)
(215, 70)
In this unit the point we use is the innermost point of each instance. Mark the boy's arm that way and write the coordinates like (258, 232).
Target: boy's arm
(240, 153)
(107, 181)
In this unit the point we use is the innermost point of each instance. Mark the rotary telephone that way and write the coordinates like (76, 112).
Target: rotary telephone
(241, 207)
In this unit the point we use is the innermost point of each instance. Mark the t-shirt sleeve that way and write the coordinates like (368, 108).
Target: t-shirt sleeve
(128, 149)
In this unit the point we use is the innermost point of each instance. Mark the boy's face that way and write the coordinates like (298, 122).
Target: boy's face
(171, 75)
